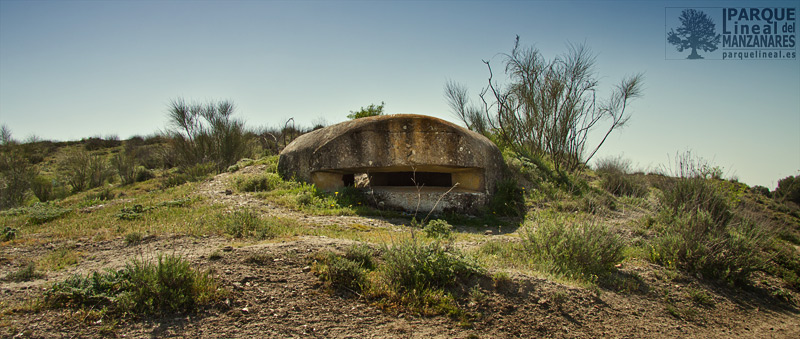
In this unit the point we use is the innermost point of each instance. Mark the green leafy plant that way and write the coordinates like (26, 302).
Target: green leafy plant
(259, 183)
(410, 275)
(412, 265)
(166, 285)
(132, 213)
(438, 229)
(789, 189)
(698, 233)
(41, 213)
(369, 111)
(580, 250)
(509, 199)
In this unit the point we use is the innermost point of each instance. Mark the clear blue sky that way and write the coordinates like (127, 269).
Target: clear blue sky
(75, 69)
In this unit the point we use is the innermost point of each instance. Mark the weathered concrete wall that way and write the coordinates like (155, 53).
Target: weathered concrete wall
(394, 143)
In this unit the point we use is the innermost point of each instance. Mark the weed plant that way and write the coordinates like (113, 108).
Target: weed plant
(59, 259)
(247, 224)
(26, 272)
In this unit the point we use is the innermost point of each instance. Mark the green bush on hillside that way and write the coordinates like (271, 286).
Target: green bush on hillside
(699, 233)
(167, 285)
(411, 275)
(577, 250)
(789, 189)
(207, 133)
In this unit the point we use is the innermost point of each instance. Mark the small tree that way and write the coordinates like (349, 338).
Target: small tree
(548, 108)
(696, 32)
(369, 111)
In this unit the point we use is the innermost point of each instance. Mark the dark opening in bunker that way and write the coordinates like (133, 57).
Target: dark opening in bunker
(461, 179)
(420, 179)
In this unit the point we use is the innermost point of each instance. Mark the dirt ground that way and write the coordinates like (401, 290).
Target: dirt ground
(280, 297)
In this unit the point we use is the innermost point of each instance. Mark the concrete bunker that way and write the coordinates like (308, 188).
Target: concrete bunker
(403, 160)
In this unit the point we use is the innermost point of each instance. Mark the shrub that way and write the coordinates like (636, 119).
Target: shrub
(690, 195)
(96, 143)
(174, 179)
(508, 200)
(133, 238)
(47, 188)
(169, 285)
(438, 229)
(362, 254)
(125, 164)
(613, 164)
(16, 175)
(699, 233)
(83, 170)
(369, 111)
(247, 224)
(413, 266)
(411, 275)
(199, 171)
(580, 250)
(41, 213)
(143, 174)
(102, 194)
(758, 189)
(615, 172)
(259, 183)
(8, 234)
(207, 133)
(341, 272)
(621, 184)
(698, 244)
(192, 173)
(789, 189)
(240, 164)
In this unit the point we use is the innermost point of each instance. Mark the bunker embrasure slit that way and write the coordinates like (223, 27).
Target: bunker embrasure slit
(417, 179)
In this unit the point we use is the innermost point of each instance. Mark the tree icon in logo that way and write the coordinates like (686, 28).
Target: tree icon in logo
(696, 32)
